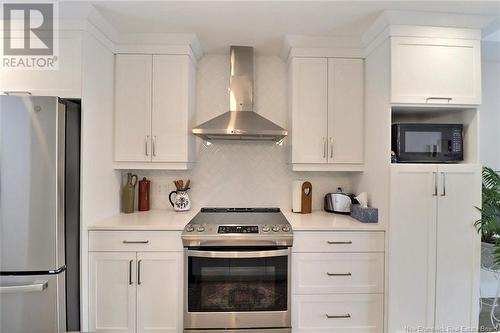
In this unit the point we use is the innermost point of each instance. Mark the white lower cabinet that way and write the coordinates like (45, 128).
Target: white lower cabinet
(159, 292)
(134, 291)
(338, 313)
(338, 282)
(112, 292)
(434, 248)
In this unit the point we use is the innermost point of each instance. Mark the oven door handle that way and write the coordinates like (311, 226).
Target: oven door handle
(238, 254)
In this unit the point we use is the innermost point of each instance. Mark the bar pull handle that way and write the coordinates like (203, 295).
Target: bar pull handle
(339, 242)
(438, 98)
(331, 147)
(147, 145)
(339, 274)
(139, 272)
(154, 145)
(24, 288)
(130, 282)
(135, 242)
(346, 316)
(435, 185)
(443, 191)
(17, 92)
(324, 147)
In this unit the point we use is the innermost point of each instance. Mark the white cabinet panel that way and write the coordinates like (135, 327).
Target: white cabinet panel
(159, 292)
(435, 71)
(412, 247)
(112, 297)
(337, 273)
(356, 313)
(432, 233)
(309, 110)
(171, 113)
(121, 240)
(338, 241)
(345, 110)
(64, 82)
(458, 249)
(133, 76)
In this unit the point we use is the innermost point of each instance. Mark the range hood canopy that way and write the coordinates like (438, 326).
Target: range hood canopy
(240, 122)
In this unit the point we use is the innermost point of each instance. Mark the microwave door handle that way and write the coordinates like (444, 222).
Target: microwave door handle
(235, 254)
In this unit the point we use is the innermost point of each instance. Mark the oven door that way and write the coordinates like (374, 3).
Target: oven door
(229, 288)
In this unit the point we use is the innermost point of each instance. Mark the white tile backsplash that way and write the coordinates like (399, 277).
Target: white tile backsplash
(242, 173)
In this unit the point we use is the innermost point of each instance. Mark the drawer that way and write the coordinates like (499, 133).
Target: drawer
(323, 273)
(346, 313)
(135, 241)
(338, 241)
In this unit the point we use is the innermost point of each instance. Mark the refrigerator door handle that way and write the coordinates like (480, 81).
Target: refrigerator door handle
(24, 288)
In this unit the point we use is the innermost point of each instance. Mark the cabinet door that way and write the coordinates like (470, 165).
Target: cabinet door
(133, 75)
(112, 292)
(159, 292)
(345, 111)
(412, 247)
(435, 71)
(458, 246)
(309, 110)
(172, 111)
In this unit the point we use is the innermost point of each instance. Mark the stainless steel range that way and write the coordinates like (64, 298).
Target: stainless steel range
(237, 271)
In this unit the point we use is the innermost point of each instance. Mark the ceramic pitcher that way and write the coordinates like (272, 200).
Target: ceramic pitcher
(181, 201)
(128, 194)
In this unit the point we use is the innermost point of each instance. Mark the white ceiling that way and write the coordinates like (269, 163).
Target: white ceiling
(263, 24)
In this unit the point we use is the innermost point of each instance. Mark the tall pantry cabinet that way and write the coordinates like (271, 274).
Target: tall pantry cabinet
(433, 247)
(433, 252)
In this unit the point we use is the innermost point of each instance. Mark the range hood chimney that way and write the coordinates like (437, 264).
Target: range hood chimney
(240, 122)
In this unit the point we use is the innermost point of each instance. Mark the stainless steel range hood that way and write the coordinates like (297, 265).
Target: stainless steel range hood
(240, 122)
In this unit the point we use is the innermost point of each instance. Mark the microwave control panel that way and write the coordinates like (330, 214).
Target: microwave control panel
(456, 141)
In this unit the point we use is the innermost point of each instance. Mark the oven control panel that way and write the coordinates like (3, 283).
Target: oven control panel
(238, 229)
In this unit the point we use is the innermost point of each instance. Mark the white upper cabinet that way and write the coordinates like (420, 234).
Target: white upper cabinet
(133, 75)
(435, 71)
(154, 109)
(62, 82)
(309, 110)
(345, 111)
(327, 117)
(173, 109)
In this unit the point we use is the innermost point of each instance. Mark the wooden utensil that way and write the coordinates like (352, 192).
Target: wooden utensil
(187, 185)
(181, 185)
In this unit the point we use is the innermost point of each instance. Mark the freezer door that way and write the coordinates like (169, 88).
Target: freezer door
(32, 304)
(31, 183)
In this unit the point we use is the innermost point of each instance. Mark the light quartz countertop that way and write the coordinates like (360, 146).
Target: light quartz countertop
(175, 221)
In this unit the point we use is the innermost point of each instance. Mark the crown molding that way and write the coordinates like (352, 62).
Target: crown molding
(321, 46)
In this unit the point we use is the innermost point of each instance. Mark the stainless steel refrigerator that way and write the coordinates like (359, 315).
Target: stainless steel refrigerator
(39, 214)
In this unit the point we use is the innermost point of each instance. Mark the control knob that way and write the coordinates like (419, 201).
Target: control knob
(285, 228)
(189, 228)
(276, 228)
(266, 229)
(200, 228)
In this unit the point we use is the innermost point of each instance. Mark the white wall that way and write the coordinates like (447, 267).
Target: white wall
(100, 184)
(490, 114)
(242, 174)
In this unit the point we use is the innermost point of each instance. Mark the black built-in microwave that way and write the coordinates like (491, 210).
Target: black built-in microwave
(427, 143)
